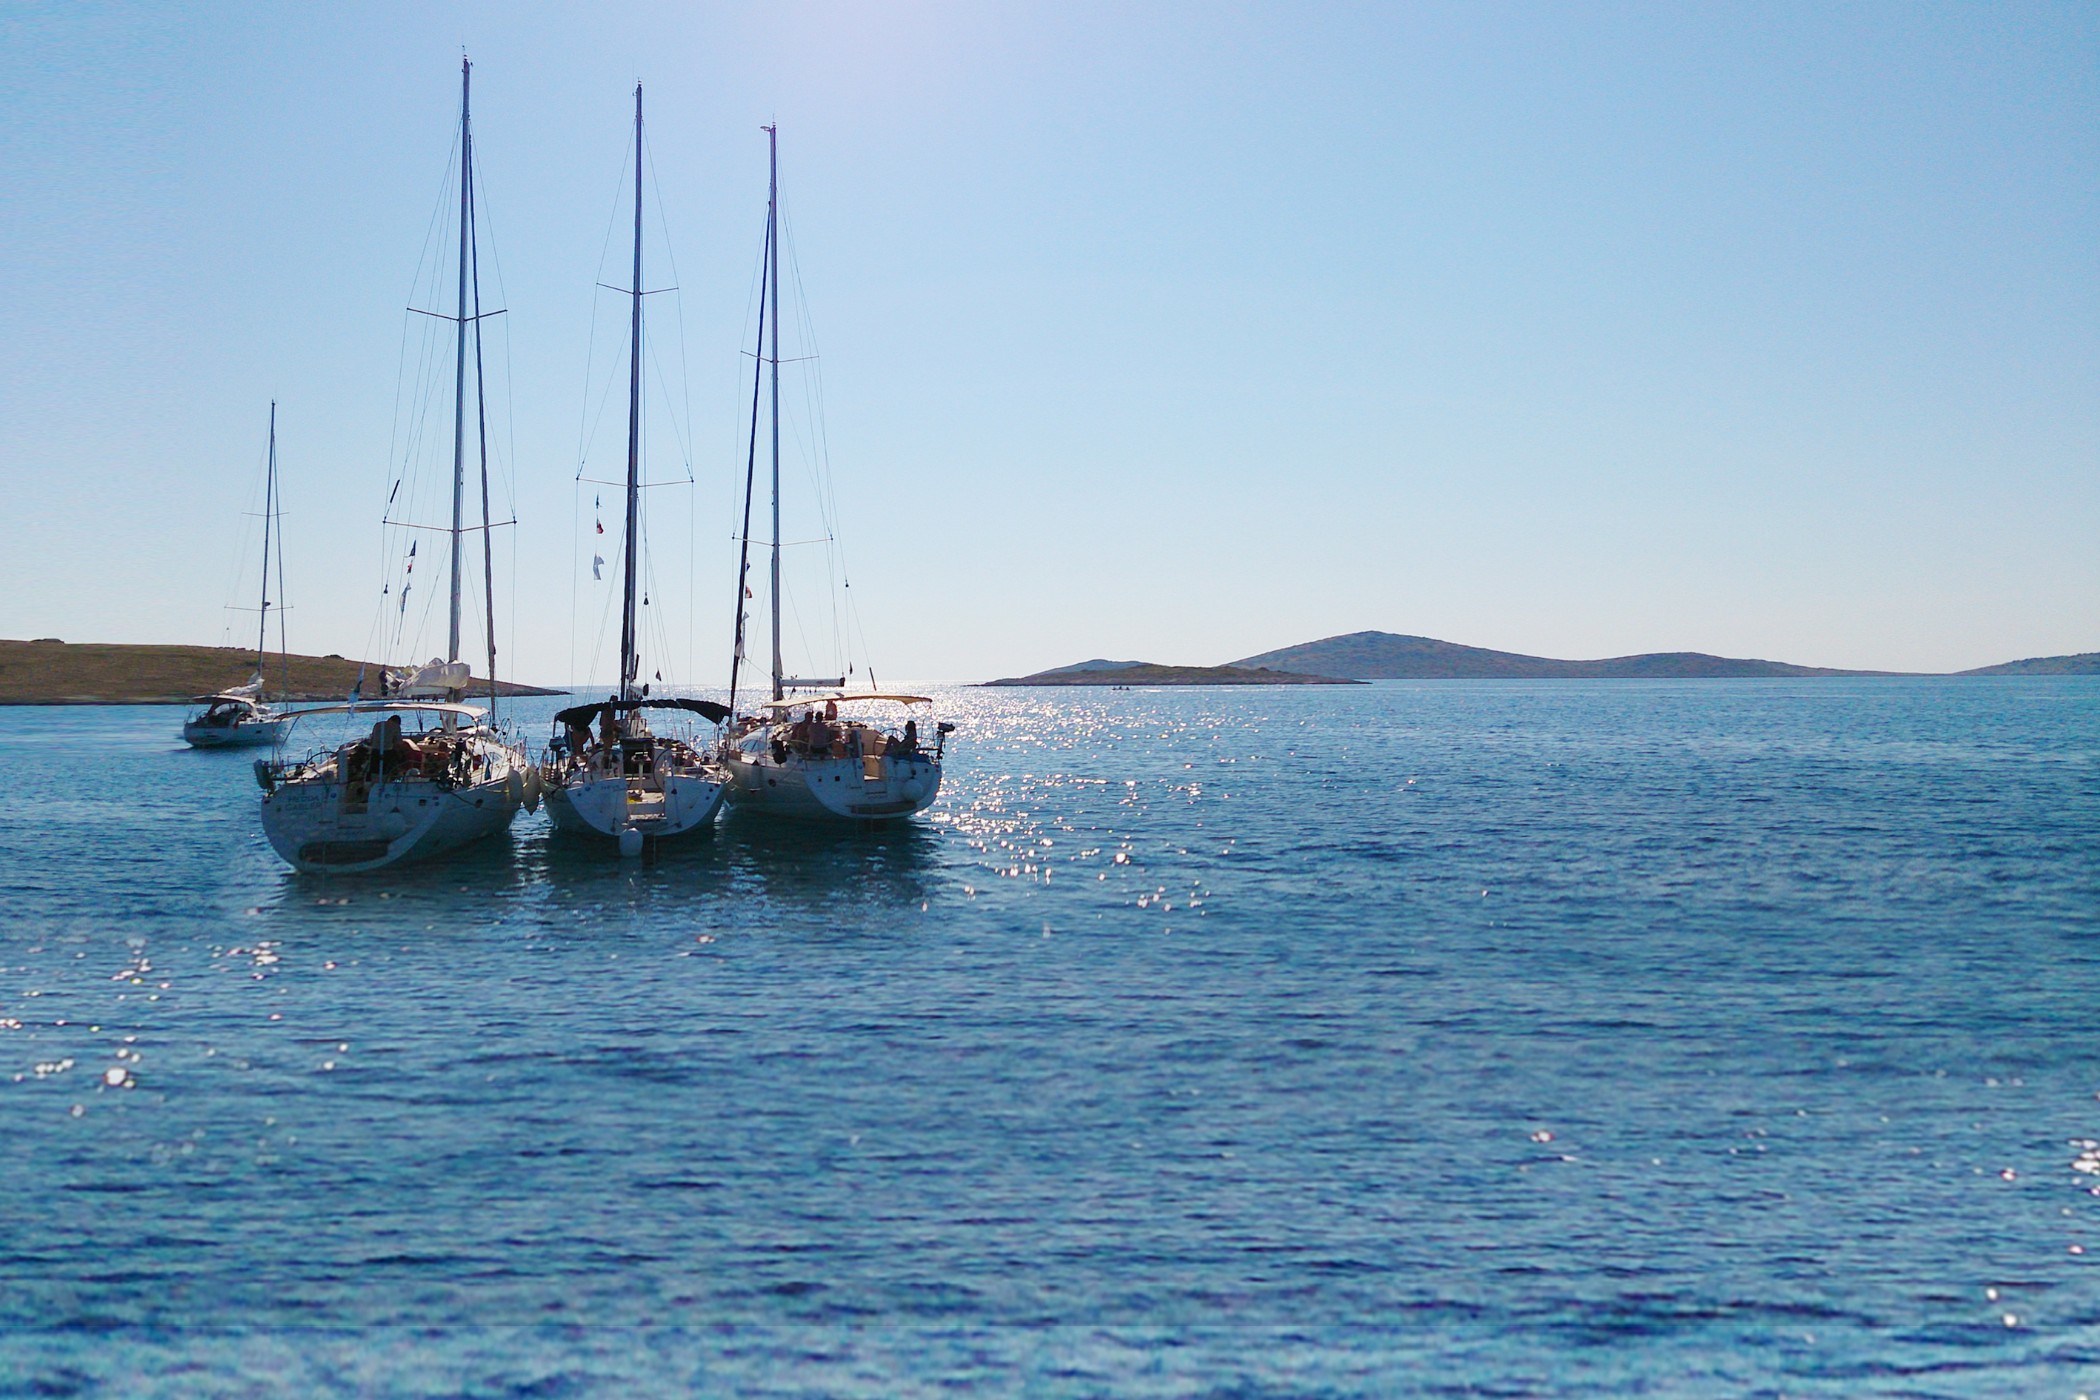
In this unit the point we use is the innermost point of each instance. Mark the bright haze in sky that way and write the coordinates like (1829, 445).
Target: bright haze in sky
(1173, 332)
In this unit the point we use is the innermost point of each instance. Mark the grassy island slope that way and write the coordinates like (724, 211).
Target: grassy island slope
(1390, 656)
(2084, 663)
(51, 672)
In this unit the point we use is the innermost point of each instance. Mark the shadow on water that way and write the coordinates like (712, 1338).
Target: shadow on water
(473, 887)
(739, 870)
(817, 865)
(740, 874)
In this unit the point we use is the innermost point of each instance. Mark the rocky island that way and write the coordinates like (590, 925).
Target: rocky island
(1355, 657)
(1393, 656)
(2084, 663)
(1128, 673)
(48, 671)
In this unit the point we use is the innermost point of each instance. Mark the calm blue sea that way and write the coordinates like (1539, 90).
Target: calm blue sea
(1598, 1038)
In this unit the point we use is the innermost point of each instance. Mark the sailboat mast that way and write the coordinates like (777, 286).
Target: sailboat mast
(262, 627)
(481, 423)
(629, 663)
(459, 379)
(743, 558)
(773, 254)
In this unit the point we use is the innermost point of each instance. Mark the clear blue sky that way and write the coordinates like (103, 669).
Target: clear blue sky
(1174, 332)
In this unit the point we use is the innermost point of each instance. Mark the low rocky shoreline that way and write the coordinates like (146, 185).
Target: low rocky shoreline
(1145, 673)
(47, 671)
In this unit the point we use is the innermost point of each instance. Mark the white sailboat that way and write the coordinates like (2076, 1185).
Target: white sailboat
(818, 765)
(239, 717)
(826, 767)
(607, 772)
(397, 795)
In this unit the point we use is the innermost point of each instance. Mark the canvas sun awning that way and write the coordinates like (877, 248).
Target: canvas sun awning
(586, 715)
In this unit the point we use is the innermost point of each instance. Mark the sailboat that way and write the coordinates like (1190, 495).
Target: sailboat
(238, 717)
(607, 772)
(397, 794)
(818, 765)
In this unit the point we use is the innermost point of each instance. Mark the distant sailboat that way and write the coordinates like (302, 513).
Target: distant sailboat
(818, 766)
(239, 717)
(396, 795)
(607, 773)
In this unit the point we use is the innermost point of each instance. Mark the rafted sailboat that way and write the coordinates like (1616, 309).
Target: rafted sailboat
(395, 795)
(815, 765)
(607, 772)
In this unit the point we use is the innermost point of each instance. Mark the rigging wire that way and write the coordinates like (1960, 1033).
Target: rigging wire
(586, 434)
(740, 632)
(284, 601)
(408, 436)
(684, 430)
(586, 430)
(481, 416)
(663, 223)
(237, 562)
(823, 481)
(570, 677)
(506, 451)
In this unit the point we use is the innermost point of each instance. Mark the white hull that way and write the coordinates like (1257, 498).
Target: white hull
(826, 789)
(654, 809)
(246, 734)
(322, 824)
(312, 827)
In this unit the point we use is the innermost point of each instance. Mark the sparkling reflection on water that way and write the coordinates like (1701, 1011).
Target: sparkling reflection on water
(1593, 1036)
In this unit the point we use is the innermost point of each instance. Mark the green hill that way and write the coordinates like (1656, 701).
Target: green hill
(51, 672)
(1146, 673)
(1391, 656)
(2084, 663)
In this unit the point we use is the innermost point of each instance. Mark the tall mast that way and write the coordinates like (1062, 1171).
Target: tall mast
(773, 256)
(262, 627)
(629, 662)
(459, 380)
(481, 422)
(743, 559)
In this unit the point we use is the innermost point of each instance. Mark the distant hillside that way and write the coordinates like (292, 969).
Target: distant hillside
(1145, 673)
(2084, 663)
(51, 672)
(1097, 664)
(1388, 656)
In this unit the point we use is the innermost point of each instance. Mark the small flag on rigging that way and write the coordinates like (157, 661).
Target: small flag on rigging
(597, 563)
